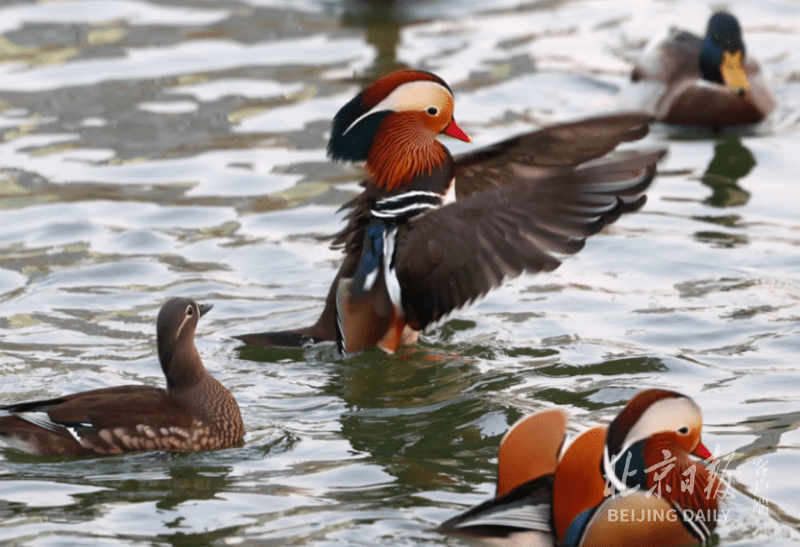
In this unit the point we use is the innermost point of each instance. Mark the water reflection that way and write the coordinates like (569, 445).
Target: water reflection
(191, 483)
(732, 161)
(402, 410)
(381, 22)
(118, 495)
(153, 148)
(767, 431)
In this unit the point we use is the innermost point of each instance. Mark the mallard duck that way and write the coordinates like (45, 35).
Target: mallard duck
(703, 81)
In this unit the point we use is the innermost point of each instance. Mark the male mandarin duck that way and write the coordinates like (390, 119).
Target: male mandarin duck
(630, 484)
(413, 253)
(705, 81)
(195, 412)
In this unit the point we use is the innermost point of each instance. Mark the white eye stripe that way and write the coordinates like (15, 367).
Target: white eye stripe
(664, 415)
(185, 319)
(408, 96)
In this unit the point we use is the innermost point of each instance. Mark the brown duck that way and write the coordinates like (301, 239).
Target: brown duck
(195, 412)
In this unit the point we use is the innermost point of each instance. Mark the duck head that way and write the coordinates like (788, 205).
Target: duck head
(177, 353)
(392, 125)
(723, 52)
(659, 430)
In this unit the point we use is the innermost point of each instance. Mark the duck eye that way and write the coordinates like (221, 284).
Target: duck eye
(684, 430)
(190, 310)
(432, 110)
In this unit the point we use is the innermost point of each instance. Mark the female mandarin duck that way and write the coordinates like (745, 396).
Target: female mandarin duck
(413, 253)
(705, 81)
(194, 413)
(630, 484)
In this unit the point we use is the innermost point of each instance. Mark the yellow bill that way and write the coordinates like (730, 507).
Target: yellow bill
(733, 74)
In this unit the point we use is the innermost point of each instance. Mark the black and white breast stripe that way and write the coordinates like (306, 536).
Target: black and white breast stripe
(407, 205)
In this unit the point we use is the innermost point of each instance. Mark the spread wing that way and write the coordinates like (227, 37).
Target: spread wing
(546, 152)
(463, 250)
(453, 255)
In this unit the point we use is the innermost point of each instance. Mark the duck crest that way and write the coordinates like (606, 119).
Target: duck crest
(404, 149)
(381, 89)
(354, 146)
(626, 420)
(355, 125)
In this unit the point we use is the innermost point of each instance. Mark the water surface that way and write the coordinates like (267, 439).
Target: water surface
(164, 148)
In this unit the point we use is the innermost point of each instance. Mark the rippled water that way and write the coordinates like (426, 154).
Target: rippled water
(154, 149)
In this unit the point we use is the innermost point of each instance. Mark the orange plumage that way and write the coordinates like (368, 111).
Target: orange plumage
(403, 149)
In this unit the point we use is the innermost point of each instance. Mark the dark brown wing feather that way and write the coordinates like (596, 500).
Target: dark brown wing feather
(546, 152)
(116, 408)
(525, 159)
(123, 406)
(119, 406)
(449, 257)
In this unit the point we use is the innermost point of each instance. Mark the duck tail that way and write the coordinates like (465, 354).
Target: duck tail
(280, 339)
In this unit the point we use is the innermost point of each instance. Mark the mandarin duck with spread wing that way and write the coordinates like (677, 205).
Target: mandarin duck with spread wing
(633, 483)
(194, 413)
(413, 252)
(691, 80)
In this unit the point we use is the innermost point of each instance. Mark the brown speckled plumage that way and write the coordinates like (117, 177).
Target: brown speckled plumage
(194, 413)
